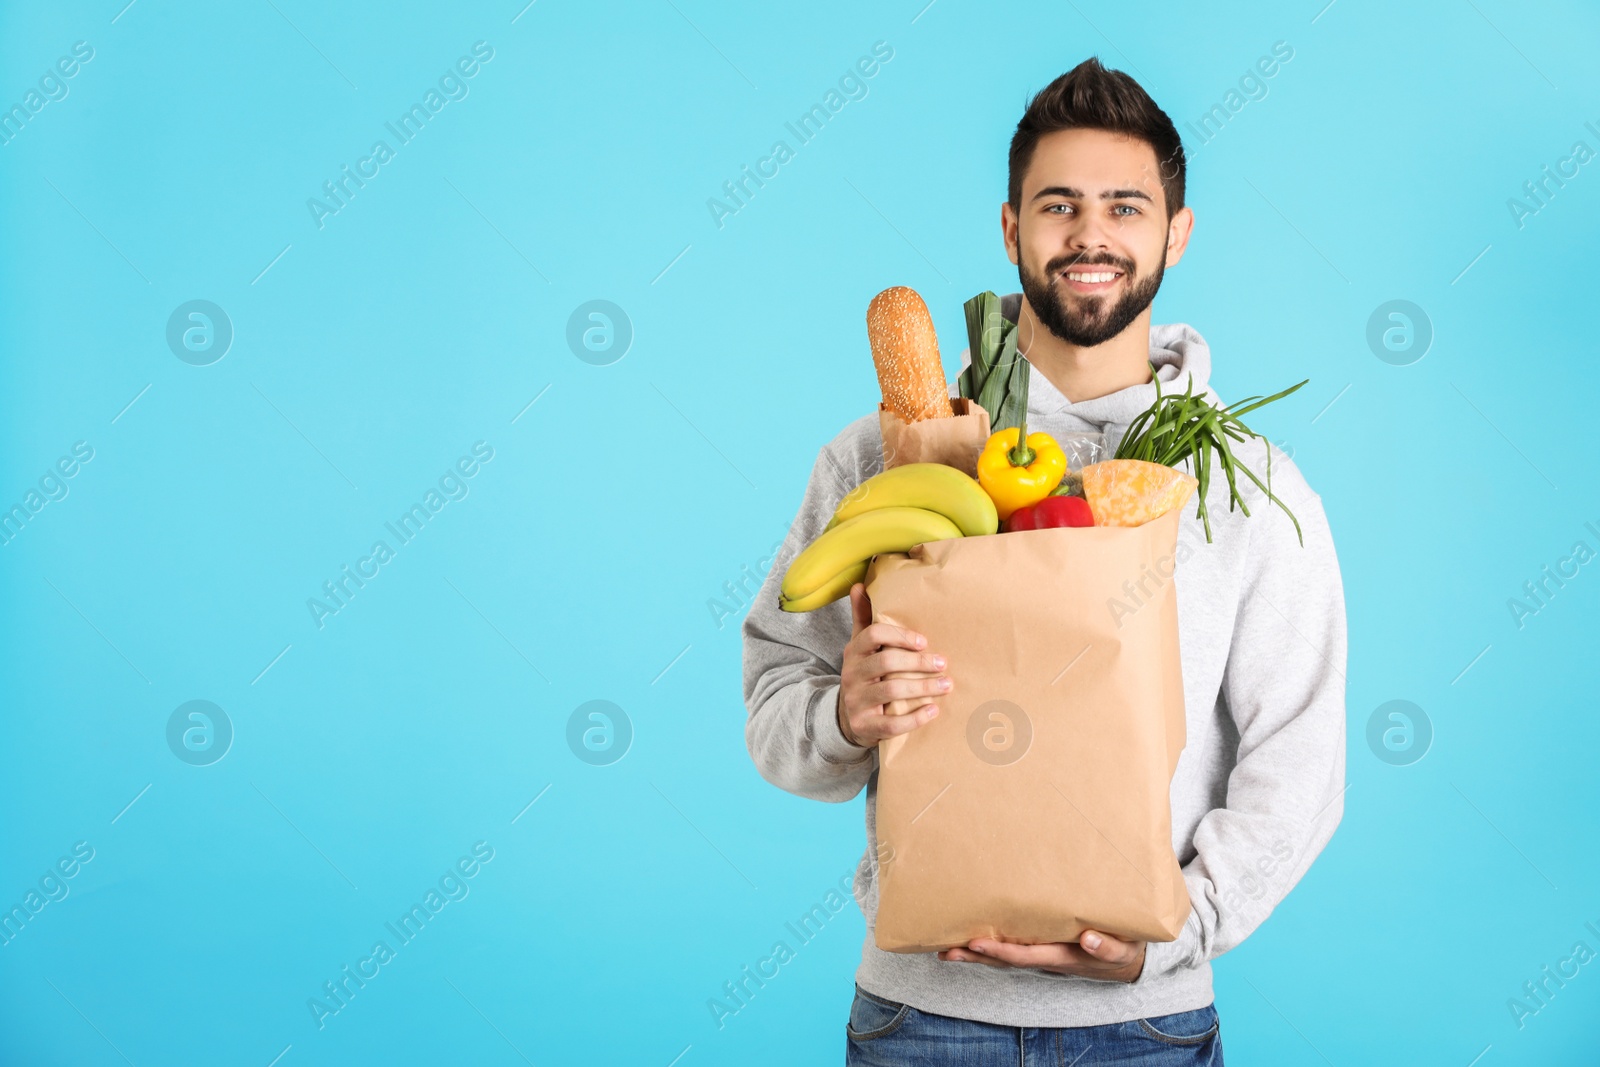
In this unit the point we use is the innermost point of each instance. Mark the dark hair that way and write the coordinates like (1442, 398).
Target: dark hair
(1091, 97)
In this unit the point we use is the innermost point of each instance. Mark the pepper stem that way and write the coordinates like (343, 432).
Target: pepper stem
(1021, 455)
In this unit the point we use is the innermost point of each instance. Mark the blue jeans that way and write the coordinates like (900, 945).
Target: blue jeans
(882, 1033)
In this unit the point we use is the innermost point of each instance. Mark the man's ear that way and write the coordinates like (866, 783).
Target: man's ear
(1179, 227)
(1008, 230)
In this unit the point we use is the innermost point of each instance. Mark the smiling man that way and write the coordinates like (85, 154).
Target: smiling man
(1094, 216)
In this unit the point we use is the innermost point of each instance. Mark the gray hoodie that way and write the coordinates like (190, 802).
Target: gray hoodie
(1258, 789)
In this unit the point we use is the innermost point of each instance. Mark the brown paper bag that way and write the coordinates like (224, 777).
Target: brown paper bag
(1037, 804)
(955, 441)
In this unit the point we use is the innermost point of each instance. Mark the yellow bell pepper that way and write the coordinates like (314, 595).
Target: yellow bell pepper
(1018, 477)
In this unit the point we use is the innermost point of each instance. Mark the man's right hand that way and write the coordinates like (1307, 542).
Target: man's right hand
(886, 678)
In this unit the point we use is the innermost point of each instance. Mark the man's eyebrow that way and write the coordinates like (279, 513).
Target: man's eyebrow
(1109, 194)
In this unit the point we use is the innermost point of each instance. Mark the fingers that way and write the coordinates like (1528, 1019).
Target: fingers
(1107, 947)
(1093, 951)
(887, 676)
(961, 955)
(897, 708)
(891, 660)
(890, 663)
(860, 707)
(872, 727)
(895, 725)
(1096, 955)
(1053, 955)
(885, 635)
(875, 694)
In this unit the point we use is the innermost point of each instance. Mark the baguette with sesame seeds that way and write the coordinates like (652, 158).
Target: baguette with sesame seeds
(905, 351)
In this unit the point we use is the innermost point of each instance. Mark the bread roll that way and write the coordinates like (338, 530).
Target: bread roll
(905, 350)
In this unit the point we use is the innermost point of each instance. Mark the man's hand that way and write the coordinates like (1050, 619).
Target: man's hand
(886, 678)
(1096, 955)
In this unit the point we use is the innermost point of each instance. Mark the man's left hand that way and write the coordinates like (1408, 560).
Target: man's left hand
(1095, 955)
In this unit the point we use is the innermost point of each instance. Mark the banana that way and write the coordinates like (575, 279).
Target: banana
(830, 590)
(857, 540)
(933, 486)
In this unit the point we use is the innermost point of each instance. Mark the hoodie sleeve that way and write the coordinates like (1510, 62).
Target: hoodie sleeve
(1284, 686)
(792, 662)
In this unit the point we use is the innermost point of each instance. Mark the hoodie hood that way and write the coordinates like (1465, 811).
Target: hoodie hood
(1180, 356)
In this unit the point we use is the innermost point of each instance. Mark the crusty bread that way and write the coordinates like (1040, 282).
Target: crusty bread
(905, 350)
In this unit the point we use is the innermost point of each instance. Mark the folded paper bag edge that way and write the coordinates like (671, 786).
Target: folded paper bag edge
(954, 441)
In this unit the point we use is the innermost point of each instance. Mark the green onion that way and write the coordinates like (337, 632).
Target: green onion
(1187, 429)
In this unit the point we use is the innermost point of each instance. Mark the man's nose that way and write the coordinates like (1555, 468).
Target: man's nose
(1091, 234)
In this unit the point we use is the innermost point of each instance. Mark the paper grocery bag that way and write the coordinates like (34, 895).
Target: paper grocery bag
(955, 441)
(1037, 804)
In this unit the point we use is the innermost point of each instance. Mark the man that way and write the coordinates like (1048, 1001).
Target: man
(1094, 215)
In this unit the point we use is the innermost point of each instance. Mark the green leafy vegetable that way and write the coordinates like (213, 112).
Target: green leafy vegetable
(997, 376)
(1188, 429)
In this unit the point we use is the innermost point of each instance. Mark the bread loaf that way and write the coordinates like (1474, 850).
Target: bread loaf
(905, 350)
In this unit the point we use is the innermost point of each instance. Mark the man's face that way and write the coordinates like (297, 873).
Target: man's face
(1092, 238)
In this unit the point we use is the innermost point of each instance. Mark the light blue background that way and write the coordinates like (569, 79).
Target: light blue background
(428, 313)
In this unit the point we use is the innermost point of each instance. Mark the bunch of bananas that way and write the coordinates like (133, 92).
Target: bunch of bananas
(890, 512)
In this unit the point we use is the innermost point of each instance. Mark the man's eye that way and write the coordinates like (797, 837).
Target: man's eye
(1129, 207)
(1064, 207)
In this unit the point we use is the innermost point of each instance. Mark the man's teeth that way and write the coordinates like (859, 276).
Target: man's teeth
(1091, 276)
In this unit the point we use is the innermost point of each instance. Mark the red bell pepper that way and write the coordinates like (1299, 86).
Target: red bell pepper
(1052, 512)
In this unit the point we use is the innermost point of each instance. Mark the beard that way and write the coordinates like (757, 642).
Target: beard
(1087, 321)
